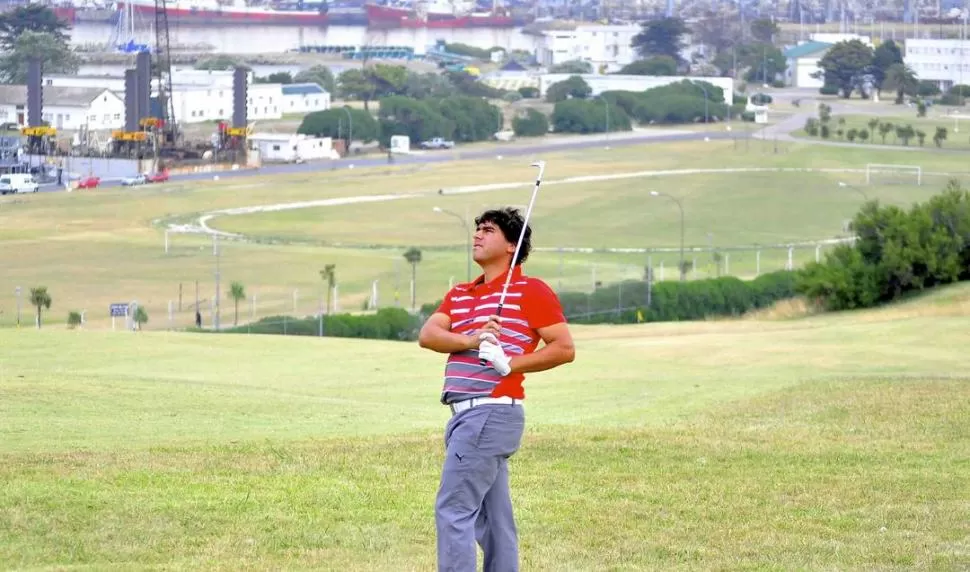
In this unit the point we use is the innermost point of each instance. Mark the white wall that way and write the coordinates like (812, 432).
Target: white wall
(105, 112)
(305, 103)
(799, 72)
(946, 62)
(596, 44)
(107, 82)
(275, 147)
(198, 104)
(835, 38)
(601, 83)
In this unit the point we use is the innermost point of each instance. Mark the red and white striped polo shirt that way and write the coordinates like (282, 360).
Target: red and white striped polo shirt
(529, 305)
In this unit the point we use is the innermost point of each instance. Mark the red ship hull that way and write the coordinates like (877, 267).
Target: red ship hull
(386, 16)
(186, 16)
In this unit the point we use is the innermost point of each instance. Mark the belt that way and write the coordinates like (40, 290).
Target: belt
(459, 406)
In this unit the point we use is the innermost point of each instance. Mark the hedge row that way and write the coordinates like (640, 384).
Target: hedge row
(626, 302)
(385, 324)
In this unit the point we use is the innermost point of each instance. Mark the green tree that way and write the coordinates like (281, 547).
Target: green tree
(56, 57)
(329, 275)
(220, 62)
(530, 123)
(141, 316)
(318, 74)
(334, 123)
(901, 79)
(884, 130)
(237, 291)
(413, 257)
(846, 66)
(354, 84)
(661, 37)
(764, 30)
(40, 299)
(657, 65)
(575, 87)
(940, 136)
(35, 18)
(883, 58)
(920, 136)
(73, 319)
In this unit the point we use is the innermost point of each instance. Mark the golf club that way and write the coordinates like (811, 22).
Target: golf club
(518, 245)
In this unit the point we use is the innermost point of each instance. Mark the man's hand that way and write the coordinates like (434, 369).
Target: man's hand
(492, 327)
(490, 350)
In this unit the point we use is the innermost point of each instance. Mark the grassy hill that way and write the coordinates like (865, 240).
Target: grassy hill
(831, 441)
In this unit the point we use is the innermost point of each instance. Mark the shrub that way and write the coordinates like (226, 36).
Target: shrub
(928, 89)
(529, 92)
(385, 324)
(829, 90)
(73, 319)
(533, 124)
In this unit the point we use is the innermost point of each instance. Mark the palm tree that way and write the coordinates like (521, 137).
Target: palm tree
(237, 292)
(413, 256)
(41, 299)
(329, 273)
(901, 79)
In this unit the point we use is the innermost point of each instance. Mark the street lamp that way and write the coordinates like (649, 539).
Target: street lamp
(350, 128)
(468, 233)
(856, 189)
(683, 271)
(607, 104)
(17, 291)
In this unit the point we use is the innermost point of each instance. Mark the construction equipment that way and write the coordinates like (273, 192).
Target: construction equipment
(168, 129)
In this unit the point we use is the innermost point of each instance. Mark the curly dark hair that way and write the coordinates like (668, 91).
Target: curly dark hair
(510, 222)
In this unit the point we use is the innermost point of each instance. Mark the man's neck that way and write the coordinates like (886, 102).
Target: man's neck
(495, 269)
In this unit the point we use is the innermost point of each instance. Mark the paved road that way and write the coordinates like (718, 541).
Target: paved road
(432, 157)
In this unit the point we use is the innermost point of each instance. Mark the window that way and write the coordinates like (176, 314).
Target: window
(276, 147)
(117, 116)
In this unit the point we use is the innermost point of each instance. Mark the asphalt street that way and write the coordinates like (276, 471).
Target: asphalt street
(433, 157)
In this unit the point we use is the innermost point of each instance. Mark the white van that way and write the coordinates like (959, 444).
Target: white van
(18, 183)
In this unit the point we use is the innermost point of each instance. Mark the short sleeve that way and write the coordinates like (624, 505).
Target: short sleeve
(445, 306)
(542, 306)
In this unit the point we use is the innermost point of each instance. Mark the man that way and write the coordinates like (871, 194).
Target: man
(473, 502)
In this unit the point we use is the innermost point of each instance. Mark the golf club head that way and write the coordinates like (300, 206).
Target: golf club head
(539, 164)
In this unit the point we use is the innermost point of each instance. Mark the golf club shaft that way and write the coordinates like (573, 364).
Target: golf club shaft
(518, 245)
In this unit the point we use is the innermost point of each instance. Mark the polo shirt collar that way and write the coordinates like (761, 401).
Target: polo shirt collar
(499, 280)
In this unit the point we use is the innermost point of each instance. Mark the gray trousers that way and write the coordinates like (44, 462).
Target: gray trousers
(473, 503)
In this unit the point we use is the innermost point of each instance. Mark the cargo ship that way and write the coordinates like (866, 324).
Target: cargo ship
(436, 14)
(210, 12)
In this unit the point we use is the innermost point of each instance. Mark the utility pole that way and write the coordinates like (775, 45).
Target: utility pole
(18, 305)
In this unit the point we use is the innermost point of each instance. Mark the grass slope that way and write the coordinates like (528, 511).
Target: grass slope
(835, 441)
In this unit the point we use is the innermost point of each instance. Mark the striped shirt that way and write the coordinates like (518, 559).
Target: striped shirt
(530, 304)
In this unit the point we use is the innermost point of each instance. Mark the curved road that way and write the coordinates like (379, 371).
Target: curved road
(433, 157)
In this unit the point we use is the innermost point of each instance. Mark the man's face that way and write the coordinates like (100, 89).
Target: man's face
(490, 244)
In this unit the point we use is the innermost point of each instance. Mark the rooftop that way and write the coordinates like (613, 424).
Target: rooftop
(807, 49)
(302, 89)
(53, 95)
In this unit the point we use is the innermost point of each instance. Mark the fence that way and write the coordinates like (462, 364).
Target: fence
(200, 292)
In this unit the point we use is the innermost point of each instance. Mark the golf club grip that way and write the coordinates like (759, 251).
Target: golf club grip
(498, 312)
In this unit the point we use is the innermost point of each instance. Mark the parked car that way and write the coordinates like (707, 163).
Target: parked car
(136, 180)
(437, 143)
(91, 182)
(159, 177)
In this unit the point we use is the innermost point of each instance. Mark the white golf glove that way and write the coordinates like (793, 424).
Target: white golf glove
(490, 350)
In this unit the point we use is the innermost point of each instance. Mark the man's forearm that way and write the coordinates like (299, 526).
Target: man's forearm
(548, 357)
(443, 341)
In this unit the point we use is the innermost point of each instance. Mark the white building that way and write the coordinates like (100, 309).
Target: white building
(195, 104)
(284, 147)
(599, 45)
(96, 108)
(835, 38)
(304, 98)
(601, 83)
(801, 63)
(946, 62)
(114, 83)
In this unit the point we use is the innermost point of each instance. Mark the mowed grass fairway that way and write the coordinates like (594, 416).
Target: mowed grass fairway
(94, 248)
(829, 442)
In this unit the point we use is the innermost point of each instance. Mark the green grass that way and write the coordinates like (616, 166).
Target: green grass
(830, 442)
(94, 248)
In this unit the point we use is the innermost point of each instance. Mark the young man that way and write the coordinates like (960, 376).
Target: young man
(487, 422)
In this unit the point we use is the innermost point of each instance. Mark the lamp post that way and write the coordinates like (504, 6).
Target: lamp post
(468, 239)
(607, 133)
(706, 99)
(856, 189)
(17, 291)
(350, 128)
(683, 271)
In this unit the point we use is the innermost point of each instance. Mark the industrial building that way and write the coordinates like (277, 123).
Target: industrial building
(944, 62)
